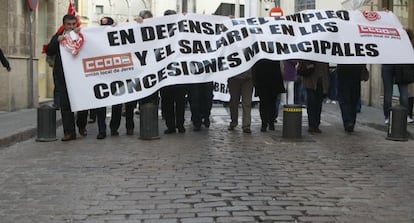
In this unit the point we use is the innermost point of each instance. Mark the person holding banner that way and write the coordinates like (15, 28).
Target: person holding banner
(100, 113)
(349, 92)
(316, 85)
(201, 102)
(241, 86)
(268, 83)
(173, 102)
(389, 73)
(68, 117)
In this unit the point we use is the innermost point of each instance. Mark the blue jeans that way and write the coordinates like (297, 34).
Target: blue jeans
(388, 77)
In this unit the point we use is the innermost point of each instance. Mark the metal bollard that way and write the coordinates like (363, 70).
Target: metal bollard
(148, 120)
(46, 124)
(292, 121)
(397, 126)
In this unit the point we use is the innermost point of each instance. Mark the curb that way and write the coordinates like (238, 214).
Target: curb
(22, 135)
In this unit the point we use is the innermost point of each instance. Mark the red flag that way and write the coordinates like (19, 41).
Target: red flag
(71, 10)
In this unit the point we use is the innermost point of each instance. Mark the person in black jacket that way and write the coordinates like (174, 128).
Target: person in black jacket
(4, 61)
(349, 92)
(68, 117)
(173, 102)
(268, 83)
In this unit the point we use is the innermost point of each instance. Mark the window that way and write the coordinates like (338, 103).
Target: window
(99, 9)
(400, 9)
(304, 4)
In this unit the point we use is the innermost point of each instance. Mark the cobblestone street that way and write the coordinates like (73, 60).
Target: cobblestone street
(211, 176)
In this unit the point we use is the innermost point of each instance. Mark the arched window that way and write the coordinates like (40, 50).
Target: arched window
(304, 4)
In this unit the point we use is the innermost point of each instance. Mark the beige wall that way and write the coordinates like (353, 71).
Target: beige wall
(14, 40)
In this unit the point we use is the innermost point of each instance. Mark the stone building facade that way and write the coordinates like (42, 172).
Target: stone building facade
(30, 78)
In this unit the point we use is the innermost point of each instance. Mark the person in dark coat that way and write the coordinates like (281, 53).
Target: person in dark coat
(100, 113)
(173, 102)
(349, 92)
(268, 83)
(4, 61)
(316, 85)
(68, 117)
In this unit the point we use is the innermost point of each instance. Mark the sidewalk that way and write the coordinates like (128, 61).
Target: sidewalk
(21, 125)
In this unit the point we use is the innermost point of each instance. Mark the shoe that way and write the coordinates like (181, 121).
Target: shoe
(114, 133)
(197, 128)
(230, 128)
(83, 132)
(101, 136)
(328, 101)
(349, 128)
(314, 130)
(169, 131)
(275, 120)
(137, 112)
(130, 132)
(92, 120)
(247, 130)
(207, 123)
(263, 128)
(68, 137)
(333, 102)
(272, 127)
(387, 121)
(409, 120)
(181, 129)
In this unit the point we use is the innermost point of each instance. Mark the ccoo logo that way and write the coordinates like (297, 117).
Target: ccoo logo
(107, 62)
(371, 15)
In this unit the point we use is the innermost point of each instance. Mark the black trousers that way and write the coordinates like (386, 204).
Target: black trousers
(117, 113)
(173, 105)
(349, 94)
(267, 109)
(68, 117)
(314, 105)
(201, 101)
(101, 119)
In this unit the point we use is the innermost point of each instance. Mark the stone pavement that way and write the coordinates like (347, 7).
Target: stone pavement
(213, 175)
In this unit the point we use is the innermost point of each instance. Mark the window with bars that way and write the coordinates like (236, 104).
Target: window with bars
(304, 4)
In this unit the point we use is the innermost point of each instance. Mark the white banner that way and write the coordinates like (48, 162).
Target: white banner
(132, 60)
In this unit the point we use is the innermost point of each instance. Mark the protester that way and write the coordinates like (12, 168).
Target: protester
(241, 86)
(173, 102)
(4, 61)
(349, 92)
(411, 85)
(268, 83)
(316, 85)
(332, 96)
(68, 117)
(289, 77)
(410, 102)
(100, 113)
(389, 73)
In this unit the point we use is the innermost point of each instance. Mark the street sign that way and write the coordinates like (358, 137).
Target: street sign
(276, 12)
(32, 4)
